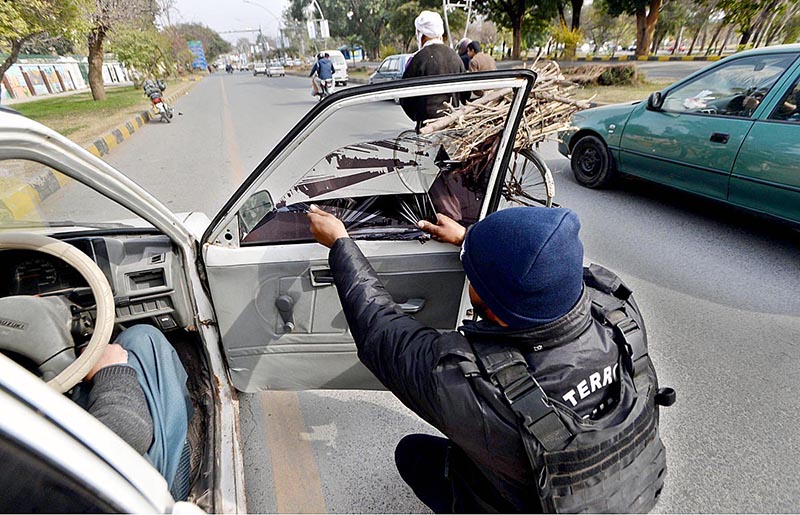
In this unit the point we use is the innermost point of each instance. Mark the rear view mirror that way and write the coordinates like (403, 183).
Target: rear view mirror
(655, 101)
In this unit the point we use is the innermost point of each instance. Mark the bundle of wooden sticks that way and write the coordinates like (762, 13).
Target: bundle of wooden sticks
(474, 129)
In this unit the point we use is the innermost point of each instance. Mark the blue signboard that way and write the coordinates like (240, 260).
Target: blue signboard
(196, 48)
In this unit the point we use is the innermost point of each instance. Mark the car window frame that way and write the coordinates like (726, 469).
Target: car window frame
(767, 100)
(224, 223)
(790, 84)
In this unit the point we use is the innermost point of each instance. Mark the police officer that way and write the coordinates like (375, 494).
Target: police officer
(525, 269)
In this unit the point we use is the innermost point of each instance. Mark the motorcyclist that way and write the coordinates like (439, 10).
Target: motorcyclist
(153, 88)
(322, 71)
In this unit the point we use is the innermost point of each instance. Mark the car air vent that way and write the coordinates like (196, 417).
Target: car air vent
(158, 258)
(146, 279)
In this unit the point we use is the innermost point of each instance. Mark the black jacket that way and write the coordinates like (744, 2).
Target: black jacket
(435, 59)
(415, 363)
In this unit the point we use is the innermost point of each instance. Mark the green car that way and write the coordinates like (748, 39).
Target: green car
(730, 132)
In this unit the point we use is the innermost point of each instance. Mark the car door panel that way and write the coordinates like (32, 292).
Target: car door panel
(264, 350)
(766, 176)
(664, 147)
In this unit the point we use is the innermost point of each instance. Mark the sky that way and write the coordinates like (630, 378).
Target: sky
(223, 15)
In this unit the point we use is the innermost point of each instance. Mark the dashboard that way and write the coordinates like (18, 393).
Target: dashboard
(144, 273)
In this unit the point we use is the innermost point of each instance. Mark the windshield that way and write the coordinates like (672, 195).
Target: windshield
(34, 195)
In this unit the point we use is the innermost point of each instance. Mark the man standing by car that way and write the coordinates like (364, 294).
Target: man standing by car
(433, 58)
(527, 284)
(479, 61)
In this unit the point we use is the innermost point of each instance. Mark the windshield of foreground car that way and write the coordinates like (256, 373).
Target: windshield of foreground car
(33, 195)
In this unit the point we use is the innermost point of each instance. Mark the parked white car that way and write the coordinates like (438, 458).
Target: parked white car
(259, 69)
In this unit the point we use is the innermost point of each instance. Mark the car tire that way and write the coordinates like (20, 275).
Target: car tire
(592, 163)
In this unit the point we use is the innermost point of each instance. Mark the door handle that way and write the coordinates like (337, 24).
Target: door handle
(720, 137)
(412, 305)
(321, 277)
(285, 305)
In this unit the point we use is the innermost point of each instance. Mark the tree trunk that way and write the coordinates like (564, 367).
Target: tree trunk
(16, 46)
(642, 45)
(697, 35)
(561, 16)
(516, 48)
(646, 26)
(715, 37)
(725, 41)
(96, 37)
(678, 40)
(577, 6)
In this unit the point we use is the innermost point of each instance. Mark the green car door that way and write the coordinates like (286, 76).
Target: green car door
(691, 141)
(766, 176)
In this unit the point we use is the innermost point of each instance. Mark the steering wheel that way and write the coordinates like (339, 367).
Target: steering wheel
(38, 327)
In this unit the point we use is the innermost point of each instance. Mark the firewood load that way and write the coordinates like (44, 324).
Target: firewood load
(474, 129)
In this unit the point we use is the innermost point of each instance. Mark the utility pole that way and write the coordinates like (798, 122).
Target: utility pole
(457, 4)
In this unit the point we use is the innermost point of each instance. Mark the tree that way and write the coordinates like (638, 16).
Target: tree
(22, 21)
(145, 50)
(646, 12)
(515, 13)
(213, 44)
(105, 16)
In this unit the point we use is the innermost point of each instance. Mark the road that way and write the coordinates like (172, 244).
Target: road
(718, 289)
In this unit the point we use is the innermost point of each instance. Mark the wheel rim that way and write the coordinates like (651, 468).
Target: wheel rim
(589, 162)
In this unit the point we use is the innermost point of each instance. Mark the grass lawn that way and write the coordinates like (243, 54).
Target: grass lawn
(72, 113)
(617, 94)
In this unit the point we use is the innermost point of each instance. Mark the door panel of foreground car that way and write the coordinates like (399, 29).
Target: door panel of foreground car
(692, 142)
(279, 315)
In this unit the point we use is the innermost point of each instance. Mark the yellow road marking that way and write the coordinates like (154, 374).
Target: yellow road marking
(230, 139)
(294, 468)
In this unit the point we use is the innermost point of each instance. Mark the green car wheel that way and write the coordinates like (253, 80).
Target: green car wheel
(592, 163)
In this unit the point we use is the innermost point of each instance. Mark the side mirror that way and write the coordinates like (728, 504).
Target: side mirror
(655, 101)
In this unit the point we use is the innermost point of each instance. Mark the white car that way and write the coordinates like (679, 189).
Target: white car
(275, 69)
(259, 69)
(246, 298)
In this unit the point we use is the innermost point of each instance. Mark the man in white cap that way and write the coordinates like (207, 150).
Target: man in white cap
(433, 58)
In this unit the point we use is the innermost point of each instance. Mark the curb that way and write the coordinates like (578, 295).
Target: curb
(20, 198)
(662, 58)
(104, 144)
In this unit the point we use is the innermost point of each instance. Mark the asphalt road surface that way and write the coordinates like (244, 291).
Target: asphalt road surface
(718, 289)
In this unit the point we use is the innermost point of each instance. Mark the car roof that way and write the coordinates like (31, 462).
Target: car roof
(776, 49)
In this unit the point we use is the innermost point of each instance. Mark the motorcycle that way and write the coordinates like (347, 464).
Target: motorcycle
(325, 88)
(153, 90)
(164, 109)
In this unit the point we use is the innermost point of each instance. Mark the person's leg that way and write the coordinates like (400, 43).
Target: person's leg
(163, 380)
(421, 461)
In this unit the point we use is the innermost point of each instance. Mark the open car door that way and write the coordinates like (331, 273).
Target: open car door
(358, 156)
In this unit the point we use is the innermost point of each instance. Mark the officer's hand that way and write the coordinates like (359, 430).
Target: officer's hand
(446, 229)
(325, 227)
(114, 354)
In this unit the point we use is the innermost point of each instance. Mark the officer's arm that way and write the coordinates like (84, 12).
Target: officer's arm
(313, 70)
(398, 349)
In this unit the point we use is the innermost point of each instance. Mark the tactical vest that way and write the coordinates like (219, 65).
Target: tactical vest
(614, 464)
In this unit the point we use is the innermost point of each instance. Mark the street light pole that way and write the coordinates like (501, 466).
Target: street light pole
(280, 29)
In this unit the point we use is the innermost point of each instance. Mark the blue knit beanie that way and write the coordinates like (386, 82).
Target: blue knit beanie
(526, 264)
